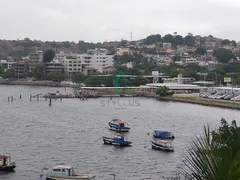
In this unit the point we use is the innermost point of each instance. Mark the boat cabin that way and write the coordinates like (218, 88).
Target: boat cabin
(118, 138)
(67, 170)
(4, 160)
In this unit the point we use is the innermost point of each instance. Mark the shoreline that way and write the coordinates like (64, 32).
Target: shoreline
(184, 99)
(204, 102)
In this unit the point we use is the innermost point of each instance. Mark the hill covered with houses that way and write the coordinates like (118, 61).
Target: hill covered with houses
(170, 54)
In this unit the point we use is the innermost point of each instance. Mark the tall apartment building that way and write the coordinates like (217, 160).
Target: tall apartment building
(54, 66)
(94, 60)
(35, 59)
(20, 68)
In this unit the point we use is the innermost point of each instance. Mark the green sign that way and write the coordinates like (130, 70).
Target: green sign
(116, 83)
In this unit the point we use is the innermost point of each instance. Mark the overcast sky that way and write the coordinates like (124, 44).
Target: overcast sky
(100, 20)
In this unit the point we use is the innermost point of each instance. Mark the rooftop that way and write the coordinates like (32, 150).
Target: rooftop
(173, 86)
(62, 167)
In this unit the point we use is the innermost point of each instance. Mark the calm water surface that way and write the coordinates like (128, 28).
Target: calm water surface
(70, 132)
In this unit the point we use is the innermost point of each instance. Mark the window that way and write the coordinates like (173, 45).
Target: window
(56, 169)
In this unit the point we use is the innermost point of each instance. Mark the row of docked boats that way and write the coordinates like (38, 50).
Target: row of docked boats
(121, 126)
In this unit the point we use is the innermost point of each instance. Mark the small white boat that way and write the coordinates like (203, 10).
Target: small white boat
(63, 172)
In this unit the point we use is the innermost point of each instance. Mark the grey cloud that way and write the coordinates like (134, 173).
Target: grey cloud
(94, 20)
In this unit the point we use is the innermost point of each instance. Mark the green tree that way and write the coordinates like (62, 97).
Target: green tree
(169, 38)
(176, 58)
(139, 80)
(201, 51)
(237, 81)
(234, 44)
(215, 155)
(56, 77)
(164, 91)
(8, 74)
(79, 78)
(223, 55)
(189, 41)
(225, 42)
(178, 40)
(152, 39)
(48, 55)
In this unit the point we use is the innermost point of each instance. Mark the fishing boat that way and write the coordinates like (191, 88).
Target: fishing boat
(6, 164)
(162, 145)
(117, 140)
(163, 134)
(118, 125)
(63, 172)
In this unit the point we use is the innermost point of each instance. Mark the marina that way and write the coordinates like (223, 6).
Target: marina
(69, 132)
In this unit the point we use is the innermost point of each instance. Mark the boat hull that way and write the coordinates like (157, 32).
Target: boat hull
(9, 168)
(161, 148)
(113, 125)
(119, 130)
(92, 177)
(109, 141)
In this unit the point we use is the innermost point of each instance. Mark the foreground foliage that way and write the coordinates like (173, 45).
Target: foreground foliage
(215, 155)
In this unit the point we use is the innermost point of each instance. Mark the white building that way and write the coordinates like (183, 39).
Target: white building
(6, 64)
(96, 59)
(123, 51)
(167, 45)
(190, 60)
(60, 57)
(36, 58)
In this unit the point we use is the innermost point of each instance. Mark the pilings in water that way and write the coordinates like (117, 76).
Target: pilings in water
(10, 98)
(37, 96)
(50, 101)
(20, 96)
(84, 94)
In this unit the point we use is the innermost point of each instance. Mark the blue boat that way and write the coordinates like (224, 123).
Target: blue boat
(163, 134)
(162, 145)
(117, 140)
(118, 125)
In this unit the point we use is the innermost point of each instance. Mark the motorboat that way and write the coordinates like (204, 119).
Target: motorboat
(64, 172)
(6, 164)
(117, 140)
(163, 134)
(162, 145)
(118, 125)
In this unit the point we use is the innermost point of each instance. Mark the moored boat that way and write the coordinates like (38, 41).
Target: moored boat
(163, 134)
(117, 140)
(118, 125)
(162, 145)
(6, 164)
(63, 172)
